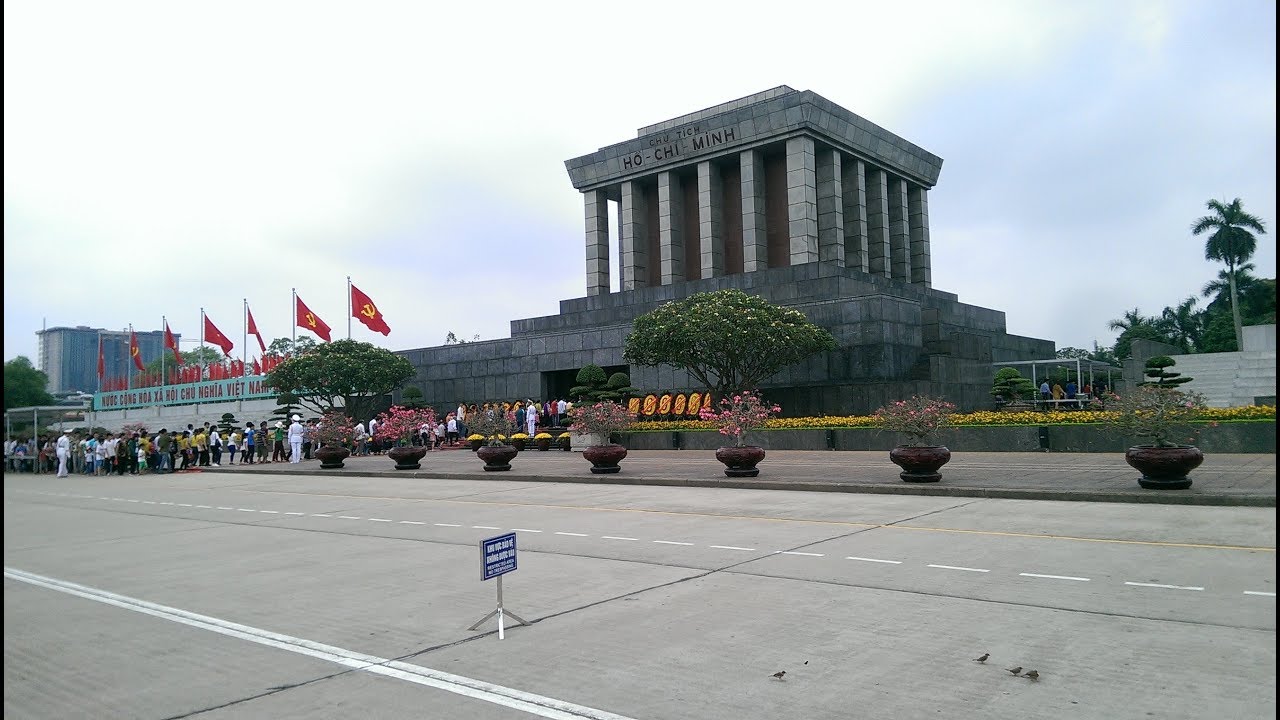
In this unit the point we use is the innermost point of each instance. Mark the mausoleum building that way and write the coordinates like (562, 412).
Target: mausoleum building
(781, 194)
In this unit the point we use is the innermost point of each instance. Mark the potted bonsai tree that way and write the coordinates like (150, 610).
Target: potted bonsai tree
(918, 419)
(493, 425)
(334, 434)
(1164, 414)
(739, 413)
(599, 421)
(397, 428)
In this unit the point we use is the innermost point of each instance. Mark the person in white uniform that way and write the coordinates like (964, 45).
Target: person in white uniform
(296, 432)
(64, 451)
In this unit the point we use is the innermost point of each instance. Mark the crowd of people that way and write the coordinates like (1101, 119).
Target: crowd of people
(1072, 394)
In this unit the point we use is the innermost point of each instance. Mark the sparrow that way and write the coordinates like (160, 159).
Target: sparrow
(1032, 674)
(780, 673)
(983, 658)
(1014, 670)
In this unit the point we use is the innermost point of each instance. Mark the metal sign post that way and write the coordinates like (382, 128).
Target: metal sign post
(497, 558)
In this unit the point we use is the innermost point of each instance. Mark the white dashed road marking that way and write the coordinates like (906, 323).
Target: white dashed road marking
(446, 525)
(523, 530)
(732, 547)
(953, 567)
(874, 560)
(1256, 592)
(1167, 587)
(411, 522)
(615, 537)
(1054, 577)
(484, 527)
(791, 552)
(573, 534)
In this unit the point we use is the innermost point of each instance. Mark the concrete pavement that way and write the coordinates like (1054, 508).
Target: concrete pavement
(1223, 479)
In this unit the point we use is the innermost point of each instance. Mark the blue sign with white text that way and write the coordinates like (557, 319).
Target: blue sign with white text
(497, 556)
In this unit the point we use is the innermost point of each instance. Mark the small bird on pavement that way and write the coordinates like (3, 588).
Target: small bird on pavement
(1032, 674)
(1014, 670)
(780, 673)
(983, 658)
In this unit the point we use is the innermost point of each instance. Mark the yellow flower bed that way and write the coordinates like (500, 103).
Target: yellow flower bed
(981, 418)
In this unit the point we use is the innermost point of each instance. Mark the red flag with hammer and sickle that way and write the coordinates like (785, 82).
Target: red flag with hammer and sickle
(363, 309)
(134, 351)
(308, 320)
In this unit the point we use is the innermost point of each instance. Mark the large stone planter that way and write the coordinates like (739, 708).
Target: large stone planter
(920, 463)
(497, 457)
(604, 459)
(1164, 468)
(331, 457)
(586, 440)
(407, 457)
(740, 461)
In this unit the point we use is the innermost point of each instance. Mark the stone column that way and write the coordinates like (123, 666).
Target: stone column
(877, 222)
(918, 220)
(634, 243)
(755, 243)
(802, 200)
(597, 216)
(899, 237)
(710, 220)
(854, 200)
(670, 227)
(830, 206)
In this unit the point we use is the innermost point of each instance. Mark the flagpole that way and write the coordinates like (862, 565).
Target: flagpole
(295, 317)
(129, 368)
(164, 325)
(348, 307)
(201, 364)
(244, 349)
(102, 368)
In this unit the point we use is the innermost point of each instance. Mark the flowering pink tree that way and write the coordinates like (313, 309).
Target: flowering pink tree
(739, 413)
(399, 425)
(334, 430)
(603, 418)
(919, 418)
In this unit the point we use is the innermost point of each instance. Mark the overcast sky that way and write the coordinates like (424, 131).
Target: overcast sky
(163, 157)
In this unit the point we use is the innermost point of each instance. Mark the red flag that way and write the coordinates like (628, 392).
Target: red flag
(363, 309)
(253, 329)
(134, 351)
(308, 320)
(171, 343)
(102, 362)
(215, 336)
(257, 369)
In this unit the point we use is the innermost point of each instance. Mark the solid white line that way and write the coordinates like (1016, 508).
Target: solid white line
(1054, 577)
(411, 522)
(953, 567)
(1167, 587)
(615, 537)
(789, 552)
(889, 562)
(1256, 592)
(671, 542)
(349, 517)
(573, 534)
(731, 547)
(380, 520)
(477, 689)
(446, 525)
(484, 527)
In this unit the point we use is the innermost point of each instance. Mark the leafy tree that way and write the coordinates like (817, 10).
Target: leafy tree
(201, 356)
(620, 386)
(1221, 286)
(226, 423)
(286, 407)
(1011, 386)
(344, 373)
(727, 340)
(1231, 242)
(452, 339)
(24, 385)
(288, 346)
(1156, 370)
(1071, 353)
(413, 398)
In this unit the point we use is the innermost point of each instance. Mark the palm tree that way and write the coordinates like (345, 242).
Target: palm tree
(1182, 323)
(1222, 284)
(1132, 319)
(1230, 243)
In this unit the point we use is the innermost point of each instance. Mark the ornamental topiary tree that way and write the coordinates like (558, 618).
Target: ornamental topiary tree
(727, 340)
(344, 373)
(591, 380)
(1155, 369)
(620, 387)
(1011, 386)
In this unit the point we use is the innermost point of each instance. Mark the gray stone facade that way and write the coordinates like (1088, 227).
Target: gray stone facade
(784, 195)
